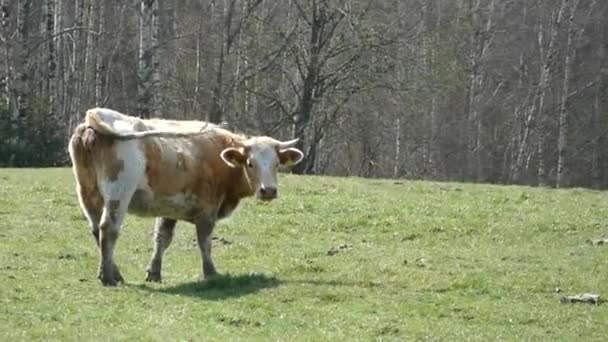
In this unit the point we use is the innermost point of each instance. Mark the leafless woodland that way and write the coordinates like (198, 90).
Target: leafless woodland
(503, 91)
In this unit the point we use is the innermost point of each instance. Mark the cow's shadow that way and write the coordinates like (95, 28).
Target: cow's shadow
(219, 287)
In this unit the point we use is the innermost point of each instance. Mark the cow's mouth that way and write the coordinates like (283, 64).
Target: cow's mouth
(266, 198)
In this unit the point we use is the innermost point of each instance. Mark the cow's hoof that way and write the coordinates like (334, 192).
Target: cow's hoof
(110, 277)
(108, 281)
(117, 276)
(153, 277)
(210, 276)
(209, 271)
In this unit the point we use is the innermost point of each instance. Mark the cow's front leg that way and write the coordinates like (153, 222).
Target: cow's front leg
(163, 235)
(111, 220)
(204, 230)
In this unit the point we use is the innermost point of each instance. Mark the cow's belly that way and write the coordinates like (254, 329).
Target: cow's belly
(178, 206)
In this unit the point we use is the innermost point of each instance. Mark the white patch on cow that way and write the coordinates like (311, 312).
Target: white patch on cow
(127, 180)
(266, 161)
(122, 123)
(119, 122)
(123, 127)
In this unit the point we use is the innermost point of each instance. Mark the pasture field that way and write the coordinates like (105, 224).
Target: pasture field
(332, 259)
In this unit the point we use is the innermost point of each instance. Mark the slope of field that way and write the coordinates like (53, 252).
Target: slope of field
(332, 259)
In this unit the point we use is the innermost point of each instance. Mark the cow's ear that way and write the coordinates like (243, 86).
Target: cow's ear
(290, 156)
(234, 157)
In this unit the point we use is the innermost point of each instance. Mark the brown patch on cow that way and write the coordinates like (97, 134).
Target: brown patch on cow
(153, 164)
(113, 167)
(81, 143)
(169, 171)
(201, 172)
(206, 176)
(92, 200)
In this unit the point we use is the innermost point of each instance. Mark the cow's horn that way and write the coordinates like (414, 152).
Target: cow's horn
(287, 144)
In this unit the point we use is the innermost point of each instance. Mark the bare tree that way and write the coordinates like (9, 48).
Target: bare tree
(19, 84)
(597, 121)
(465, 90)
(480, 42)
(562, 144)
(148, 68)
(535, 113)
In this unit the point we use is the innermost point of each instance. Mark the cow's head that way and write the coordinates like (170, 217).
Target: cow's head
(261, 157)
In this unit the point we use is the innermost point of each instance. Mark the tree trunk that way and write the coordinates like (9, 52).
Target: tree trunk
(216, 114)
(19, 92)
(303, 115)
(59, 65)
(480, 42)
(236, 107)
(518, 125)
(534, 114)
(562, 144)
(430, 22)
(6, 52)
(99, 64)
(199, 68)
(397, 158)
(471, 115)
(148, 72)
(52, 63)
(598, 122)
(218, 105)
(546, 74)
(78, 51)
(18, 101)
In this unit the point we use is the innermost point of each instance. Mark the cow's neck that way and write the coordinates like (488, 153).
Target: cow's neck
(247, 187)
(239, 185)
(239, 189)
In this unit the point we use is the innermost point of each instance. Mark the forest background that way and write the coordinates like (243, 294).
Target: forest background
(500, 91)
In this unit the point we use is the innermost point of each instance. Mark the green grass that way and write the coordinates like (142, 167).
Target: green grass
(419, 261)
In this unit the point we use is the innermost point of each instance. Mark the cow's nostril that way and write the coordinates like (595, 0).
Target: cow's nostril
(268, 192)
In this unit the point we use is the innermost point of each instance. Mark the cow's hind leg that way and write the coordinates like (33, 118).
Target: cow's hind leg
(91, 203)
(113, 214)
(163, 235)
(204, 230)
(89, 196)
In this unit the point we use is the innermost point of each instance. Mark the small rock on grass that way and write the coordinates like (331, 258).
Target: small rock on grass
(343, 247)
(583, 298)
(598, 242)
(421, 262)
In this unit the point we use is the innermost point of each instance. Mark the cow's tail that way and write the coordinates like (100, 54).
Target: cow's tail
(94, 121)
(80, 145)
(81, 148)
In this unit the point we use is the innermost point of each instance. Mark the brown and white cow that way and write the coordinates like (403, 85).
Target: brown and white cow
(173, 170)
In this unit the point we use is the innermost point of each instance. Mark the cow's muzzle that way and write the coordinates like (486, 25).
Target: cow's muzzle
(267, 193)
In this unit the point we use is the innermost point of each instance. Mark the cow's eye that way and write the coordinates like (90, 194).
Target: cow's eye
(249, 163)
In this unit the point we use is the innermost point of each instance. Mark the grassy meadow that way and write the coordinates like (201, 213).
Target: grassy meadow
(332, 259)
